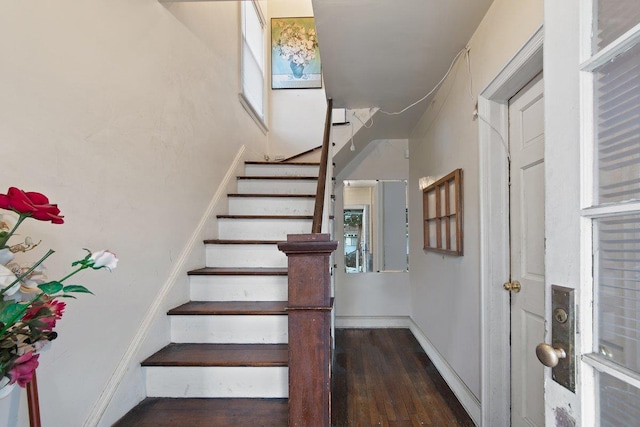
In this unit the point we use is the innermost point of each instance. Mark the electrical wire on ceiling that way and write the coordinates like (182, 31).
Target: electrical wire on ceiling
(465, 50)
(353, 147)
(364, 124)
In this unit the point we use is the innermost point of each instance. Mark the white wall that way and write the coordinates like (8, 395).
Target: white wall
(370, 299)
(445, 290)
(125, 114)
(296, 116)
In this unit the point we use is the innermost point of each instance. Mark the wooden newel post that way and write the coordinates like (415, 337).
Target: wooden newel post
(309, 318)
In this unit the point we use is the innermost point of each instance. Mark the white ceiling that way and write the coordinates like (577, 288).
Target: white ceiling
(390, 53)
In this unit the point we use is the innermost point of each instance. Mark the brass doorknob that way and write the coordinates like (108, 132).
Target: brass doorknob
(513, 286)
(548, 355)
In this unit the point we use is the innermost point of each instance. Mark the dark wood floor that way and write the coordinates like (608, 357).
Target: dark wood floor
(382, 377)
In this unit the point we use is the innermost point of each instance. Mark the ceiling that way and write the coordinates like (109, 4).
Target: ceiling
(391, 53)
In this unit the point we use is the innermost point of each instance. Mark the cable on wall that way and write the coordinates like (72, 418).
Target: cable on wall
(395, 113)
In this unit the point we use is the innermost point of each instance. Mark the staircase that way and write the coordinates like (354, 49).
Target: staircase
(227, 362)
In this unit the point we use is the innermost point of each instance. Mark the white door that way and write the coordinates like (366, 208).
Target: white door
(526, 145)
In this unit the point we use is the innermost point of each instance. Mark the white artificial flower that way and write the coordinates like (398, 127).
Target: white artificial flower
(7, 222)
(104, 259)
(6, 278)
(6, 256)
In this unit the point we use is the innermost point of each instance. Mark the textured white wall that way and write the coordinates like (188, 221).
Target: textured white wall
(445, 290)
(296, 116)
(126, 115)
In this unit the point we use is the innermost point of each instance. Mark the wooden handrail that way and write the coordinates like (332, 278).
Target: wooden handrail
(318, 210)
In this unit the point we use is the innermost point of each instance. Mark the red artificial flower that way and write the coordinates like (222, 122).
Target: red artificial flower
(31, 204)
(23, 368)
(47, 312)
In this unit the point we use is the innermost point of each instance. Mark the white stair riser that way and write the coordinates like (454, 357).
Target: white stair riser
(261, 229)
(196, 381)
(271, 206)
(229, 329)
(219, 255)
(269, 186)
(238, 288)
(281, 170)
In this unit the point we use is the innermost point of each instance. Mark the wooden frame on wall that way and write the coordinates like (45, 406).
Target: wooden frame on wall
(442, 215)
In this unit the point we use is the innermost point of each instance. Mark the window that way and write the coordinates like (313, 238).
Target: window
(612, 103)
(252, 62)
(442, 214)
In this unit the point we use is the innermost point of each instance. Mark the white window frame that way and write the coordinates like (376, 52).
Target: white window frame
(592, 363)
(257, 114)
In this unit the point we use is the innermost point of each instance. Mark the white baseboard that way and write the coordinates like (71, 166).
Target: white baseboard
(179, 268)
(372, 322)
(468, 400)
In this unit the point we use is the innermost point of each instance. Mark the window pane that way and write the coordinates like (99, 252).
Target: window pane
(252, 81)
(618, 289)
(612, 19)
(617, 110)
(619, 402)
(253, 31)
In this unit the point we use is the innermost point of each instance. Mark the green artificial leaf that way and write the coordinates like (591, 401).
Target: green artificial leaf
(51, 288)
(6, 303)
(10, 311)
(76, 288)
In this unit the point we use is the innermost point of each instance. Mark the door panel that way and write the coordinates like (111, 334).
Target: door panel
(526, 140)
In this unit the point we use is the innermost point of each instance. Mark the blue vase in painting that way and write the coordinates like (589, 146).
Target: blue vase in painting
(297, 69)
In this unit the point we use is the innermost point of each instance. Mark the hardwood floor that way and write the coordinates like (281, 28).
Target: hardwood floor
(382, 377)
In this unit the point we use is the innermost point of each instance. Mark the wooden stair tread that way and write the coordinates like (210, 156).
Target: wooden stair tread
(202, 412)
(239, 271)
(306, 196)
(220, 355)
(230, 308)
(265, 216)
(241, 242)
(282, 163)
(282, 177)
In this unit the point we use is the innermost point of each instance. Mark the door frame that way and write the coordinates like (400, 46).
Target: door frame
(495, 316)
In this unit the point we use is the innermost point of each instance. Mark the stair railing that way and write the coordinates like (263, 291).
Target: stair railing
(309, 309)
(321, 193)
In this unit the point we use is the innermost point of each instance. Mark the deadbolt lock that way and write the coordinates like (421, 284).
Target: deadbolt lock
(560, 315)
(560, 355)
(513, 286)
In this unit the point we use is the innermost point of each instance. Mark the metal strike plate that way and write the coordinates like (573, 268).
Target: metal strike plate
(563, 328)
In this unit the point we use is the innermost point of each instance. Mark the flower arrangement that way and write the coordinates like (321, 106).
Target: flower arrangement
(30, 305)
(295, 43)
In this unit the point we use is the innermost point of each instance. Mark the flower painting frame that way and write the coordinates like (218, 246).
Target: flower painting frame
(295, 58)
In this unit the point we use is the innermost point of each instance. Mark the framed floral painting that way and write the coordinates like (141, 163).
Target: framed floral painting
(295, 59)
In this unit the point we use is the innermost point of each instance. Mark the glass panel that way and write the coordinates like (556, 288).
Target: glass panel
(253, 31)
(612, 19)
(617, 110)
(252, 81)
(619, 402)
(617, 248)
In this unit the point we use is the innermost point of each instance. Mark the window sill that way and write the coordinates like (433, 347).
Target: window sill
(253, 114)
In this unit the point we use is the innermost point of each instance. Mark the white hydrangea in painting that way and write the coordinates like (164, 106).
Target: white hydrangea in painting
(295, 56)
